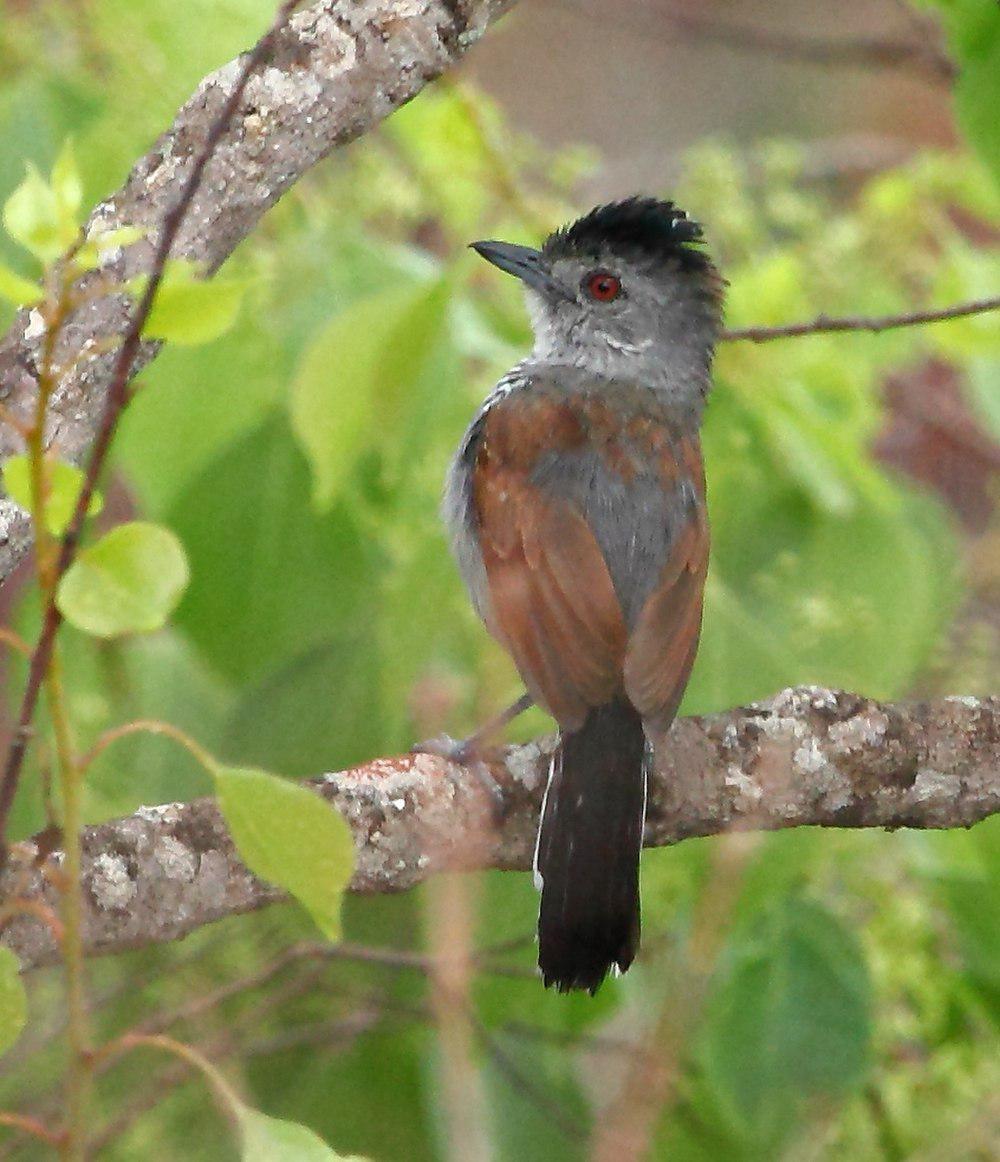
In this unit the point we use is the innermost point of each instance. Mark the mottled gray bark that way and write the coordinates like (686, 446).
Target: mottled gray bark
(806, 756)
(340, 69)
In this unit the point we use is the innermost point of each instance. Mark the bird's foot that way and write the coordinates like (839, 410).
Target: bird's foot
(466, 753)
(461, 751)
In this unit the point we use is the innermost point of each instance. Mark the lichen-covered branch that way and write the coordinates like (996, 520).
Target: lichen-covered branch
(337, 70)
(808, 756)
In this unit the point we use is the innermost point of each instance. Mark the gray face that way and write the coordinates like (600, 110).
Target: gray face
(629, 316)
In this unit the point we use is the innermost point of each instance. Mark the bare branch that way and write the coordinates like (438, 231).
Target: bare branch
(335, 72)
(808, 756)
(824, 324)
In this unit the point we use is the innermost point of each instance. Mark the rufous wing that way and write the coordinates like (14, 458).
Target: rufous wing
(664, 641)
(552, 601)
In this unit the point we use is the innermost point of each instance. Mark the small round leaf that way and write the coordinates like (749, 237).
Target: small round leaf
(129, 582)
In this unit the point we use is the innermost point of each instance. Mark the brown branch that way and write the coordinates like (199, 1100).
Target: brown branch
(336, 71)
(806, 757)
(824, 324)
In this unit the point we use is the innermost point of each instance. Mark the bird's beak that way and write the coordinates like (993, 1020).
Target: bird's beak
(530, 266)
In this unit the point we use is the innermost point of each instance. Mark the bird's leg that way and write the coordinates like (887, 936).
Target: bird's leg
(465, 750)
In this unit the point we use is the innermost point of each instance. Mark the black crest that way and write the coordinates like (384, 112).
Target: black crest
(642, 226)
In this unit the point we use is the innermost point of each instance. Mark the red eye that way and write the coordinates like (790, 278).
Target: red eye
(603, 286)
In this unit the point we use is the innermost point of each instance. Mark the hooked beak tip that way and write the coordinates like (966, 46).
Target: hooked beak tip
(524, 263)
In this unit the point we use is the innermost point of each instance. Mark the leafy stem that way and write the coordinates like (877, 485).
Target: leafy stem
(115, 403)
(227, 1096)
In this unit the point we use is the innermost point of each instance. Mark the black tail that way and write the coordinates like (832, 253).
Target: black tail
(587, 859)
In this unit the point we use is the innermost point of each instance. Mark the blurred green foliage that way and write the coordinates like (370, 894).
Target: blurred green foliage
(299, 460)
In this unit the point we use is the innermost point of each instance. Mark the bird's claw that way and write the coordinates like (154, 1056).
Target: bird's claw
(464, 753)
(455, 750)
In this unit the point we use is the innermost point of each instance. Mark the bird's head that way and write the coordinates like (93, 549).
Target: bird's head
(624, 291)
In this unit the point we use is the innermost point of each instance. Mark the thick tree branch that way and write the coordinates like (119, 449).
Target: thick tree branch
(336, 71)
(808, 756)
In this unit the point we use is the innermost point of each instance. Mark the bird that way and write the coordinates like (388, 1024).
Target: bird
(577, 515)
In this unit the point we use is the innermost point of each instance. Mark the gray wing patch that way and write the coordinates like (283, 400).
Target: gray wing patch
(635, 522)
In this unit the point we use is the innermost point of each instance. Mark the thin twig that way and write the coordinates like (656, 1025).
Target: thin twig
(527, 1086)
(345, 1030)
(824, 324)
(115, 402)
(149, 726)
(14, 641)
(32, 907)
(32, 1126)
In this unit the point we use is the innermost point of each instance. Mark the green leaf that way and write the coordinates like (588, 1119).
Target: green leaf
(287, 834)
(791, 1020)
(145, 676)
(189, 310)
(267, 1139)
(129, 582)
(13, 1002)
(350, 390)
(289, 723)
(63, 481)
(963, 868)
(67, 186)
(807, 458)
(973, 29)
(99, 244)
(20, 291)
(806, 588)
(34, 217)
(303, 578)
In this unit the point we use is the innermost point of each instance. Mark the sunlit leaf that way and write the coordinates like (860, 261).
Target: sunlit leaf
(67, 186)
(189, 310)
(351, 386)
(93, 252)
(16, 289)
(128, 582)
(290, 836)
(267, 1139)
(33, 217)
(63, 482)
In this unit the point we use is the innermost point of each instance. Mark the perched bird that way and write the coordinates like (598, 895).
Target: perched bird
(576, 506)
